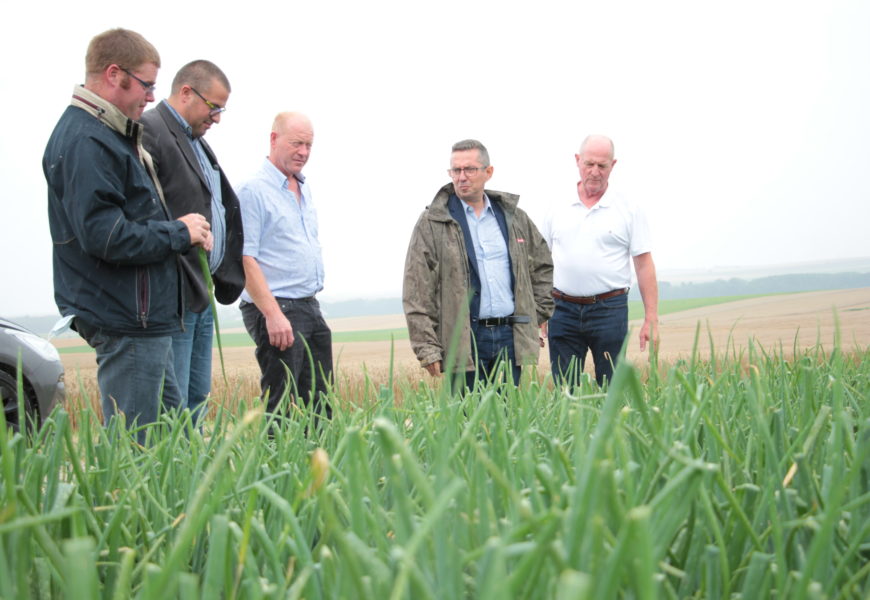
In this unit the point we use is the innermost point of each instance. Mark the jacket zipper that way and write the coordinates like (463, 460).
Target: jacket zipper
(142, 300)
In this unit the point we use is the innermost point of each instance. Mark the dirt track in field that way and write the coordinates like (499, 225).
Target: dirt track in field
(793, 320)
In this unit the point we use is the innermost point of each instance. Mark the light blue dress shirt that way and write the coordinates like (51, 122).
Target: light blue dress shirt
(281, 233)
(493, 263)
(213, 179)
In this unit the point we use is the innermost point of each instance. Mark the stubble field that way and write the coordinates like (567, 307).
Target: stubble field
(794, 321)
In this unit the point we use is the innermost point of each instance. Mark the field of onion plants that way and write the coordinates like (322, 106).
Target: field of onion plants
(746, 476)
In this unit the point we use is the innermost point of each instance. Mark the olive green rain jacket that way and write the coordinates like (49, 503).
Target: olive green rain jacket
(437, 283)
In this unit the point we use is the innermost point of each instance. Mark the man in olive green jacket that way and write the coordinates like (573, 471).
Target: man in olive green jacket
(477, 268)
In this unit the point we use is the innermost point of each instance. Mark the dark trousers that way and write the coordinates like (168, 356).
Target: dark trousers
(490, 347)
(308, 328)
(575, 329)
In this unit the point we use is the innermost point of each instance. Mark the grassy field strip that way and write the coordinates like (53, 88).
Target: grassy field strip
(737, 476)
(635, 311)
(635, 307)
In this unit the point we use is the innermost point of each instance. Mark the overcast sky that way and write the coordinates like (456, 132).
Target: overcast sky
(741, 127)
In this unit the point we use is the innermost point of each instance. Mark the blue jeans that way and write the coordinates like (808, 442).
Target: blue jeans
(192, 351)
(131, 373)
(491, 346)
(575, 329)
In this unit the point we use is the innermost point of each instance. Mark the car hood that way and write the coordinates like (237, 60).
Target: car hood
(7, 324)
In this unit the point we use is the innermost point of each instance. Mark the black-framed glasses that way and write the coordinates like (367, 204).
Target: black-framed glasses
(215, 110)
(148, 86)
(469, 171)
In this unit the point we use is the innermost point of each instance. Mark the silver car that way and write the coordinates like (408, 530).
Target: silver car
(42, 373)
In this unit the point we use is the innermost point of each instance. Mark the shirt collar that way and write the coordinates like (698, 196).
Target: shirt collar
(278, 178)
(105, 111)
(181, 120)
(487, 207)
(605, 201)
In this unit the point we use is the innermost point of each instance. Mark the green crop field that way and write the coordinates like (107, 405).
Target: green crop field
(742, 476)
(635, 311)
(635, 307)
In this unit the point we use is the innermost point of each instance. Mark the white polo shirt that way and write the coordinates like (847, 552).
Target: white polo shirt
(592, 247)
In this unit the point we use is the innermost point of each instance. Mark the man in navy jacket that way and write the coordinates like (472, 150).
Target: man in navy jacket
(116, 248)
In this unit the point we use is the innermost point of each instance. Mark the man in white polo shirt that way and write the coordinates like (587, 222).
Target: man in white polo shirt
(591, 240)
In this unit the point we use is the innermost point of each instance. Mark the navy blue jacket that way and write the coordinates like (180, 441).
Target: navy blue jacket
(115, 246)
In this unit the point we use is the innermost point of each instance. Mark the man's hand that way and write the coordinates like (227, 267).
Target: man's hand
(199, 230)
(434, 368)
(645, 269)
(649, 333)
(543, 334)
(280, 331)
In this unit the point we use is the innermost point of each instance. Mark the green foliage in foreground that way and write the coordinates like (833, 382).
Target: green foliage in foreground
(713, 480)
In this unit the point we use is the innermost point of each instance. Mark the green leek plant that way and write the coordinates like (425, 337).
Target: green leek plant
(749, 479)
(206, 273)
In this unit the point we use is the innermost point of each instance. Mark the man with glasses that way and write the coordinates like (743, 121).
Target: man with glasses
(478, 276)
(193, 181)
(284, 270)
(594, 239)
(116, 273)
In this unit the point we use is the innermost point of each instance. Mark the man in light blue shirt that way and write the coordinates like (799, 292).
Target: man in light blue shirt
(284, 270)
(493, 262)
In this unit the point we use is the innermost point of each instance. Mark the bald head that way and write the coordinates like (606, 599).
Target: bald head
(286, 120)
(595, 162)
(290, 142)
(598, 144)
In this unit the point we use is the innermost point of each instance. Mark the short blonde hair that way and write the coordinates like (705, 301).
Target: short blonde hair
(284, 119)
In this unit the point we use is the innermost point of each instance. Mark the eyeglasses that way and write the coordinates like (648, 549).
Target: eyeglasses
(215, 109)
(149, 86)
(455, 172)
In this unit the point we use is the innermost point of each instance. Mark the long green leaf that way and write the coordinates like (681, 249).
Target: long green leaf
(206, 273)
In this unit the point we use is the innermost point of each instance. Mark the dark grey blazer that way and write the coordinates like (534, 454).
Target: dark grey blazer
(186, 191)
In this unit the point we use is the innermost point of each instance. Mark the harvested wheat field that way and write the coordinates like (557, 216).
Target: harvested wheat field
(790, 320)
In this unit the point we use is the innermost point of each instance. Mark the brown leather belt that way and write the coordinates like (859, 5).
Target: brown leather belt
(588, 299)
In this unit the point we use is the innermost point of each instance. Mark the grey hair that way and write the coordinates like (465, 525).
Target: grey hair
(473, 145)
(594, 136)
(199, 74)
